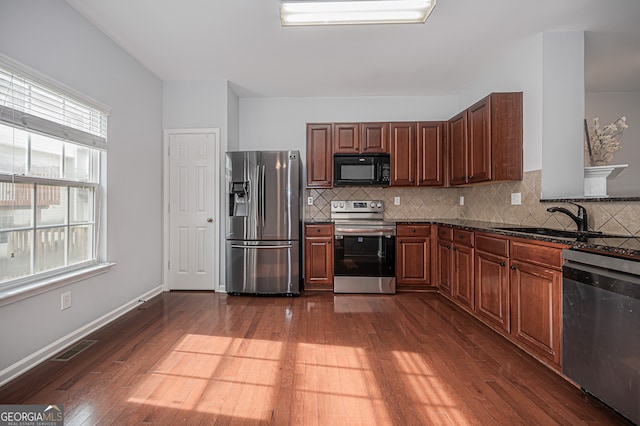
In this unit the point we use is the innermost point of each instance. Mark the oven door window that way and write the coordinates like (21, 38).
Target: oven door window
(364, 256)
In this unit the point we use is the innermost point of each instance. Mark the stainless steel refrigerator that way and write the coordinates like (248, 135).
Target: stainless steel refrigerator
(263, 222)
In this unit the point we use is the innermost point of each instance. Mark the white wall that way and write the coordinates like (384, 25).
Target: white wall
(199, 105)
(52, 38)
(519, 70)
(563, 115)
(608, 107)
(279, 123)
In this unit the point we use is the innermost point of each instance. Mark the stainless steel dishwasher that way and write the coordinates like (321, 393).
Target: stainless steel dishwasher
(601, 328)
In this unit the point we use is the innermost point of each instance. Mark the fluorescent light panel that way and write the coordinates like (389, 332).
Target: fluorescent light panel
(355, 12)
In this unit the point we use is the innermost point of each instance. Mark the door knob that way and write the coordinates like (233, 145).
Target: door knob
(209, 219)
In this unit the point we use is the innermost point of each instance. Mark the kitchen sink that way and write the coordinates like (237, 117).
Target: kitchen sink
(581, 235)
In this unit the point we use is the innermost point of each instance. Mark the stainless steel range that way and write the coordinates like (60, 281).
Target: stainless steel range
(364, 249)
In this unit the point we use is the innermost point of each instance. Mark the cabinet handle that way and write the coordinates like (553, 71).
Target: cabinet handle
(453, 248)
(513, 267)
(413, 230)
(470, 177)
(502, 264)
(318, 230)
(461, 237)
(400, 241)
(329, 242)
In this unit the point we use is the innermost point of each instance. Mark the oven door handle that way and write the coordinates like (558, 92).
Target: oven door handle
(364, 233)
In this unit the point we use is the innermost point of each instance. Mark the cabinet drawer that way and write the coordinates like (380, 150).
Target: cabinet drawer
(465, 238)
(445, 233)
(318, 230)
(492, 244)
(413, 230)
(537, 254)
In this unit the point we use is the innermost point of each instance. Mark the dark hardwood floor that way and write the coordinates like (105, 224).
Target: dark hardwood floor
(208, 358)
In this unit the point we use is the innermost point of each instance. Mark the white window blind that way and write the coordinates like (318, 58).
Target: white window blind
(26, 103)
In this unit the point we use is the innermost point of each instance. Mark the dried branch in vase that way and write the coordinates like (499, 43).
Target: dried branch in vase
(601, 143)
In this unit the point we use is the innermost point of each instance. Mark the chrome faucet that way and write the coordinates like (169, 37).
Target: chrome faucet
(581, 219)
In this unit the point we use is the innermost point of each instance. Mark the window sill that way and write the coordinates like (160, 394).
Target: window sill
(16, 293)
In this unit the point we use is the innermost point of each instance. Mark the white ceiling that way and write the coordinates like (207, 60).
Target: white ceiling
(243, 42)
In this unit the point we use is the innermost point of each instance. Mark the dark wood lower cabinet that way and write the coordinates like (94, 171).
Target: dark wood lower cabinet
(492, 302)
(513, 285)
(444, 260)
(463, 274)
(463, 282)
(318, 256)
(413, 255)
(536, 299)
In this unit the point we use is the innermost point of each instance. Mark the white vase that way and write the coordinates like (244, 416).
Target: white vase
(595, 179)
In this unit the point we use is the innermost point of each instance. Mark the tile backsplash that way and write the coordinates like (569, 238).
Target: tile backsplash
(491, 202)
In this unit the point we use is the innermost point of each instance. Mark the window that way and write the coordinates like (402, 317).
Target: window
(52, 145)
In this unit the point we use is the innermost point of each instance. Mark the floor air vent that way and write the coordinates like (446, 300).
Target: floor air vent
(74, 350)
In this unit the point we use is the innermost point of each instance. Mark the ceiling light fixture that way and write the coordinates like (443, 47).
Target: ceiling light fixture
(355, 12)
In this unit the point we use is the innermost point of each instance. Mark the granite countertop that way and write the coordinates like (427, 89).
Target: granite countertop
(623, 245)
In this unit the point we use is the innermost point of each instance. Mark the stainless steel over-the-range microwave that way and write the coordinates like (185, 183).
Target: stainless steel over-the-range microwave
(361, 170)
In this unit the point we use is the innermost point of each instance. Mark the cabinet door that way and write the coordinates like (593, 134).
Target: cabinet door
(403, 154)
(457, 136)
(374, 138)
(463, 288)
(445, 267)
(319, 156)
(318, 254)
(479, 141)
(536, 324)
(430, 144)
(413, 260)
(346, 138)
(492, 289)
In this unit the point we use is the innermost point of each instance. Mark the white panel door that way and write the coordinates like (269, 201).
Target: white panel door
(192, 213)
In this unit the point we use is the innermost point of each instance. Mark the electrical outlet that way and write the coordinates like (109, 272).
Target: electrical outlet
(396, 201)
(462, 201)
(516, 198)
(65, 301)
(309, 201)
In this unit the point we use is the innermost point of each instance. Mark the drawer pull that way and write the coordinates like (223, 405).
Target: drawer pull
(502, 264)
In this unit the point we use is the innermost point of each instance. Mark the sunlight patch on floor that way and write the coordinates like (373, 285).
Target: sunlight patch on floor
(227, 376)
(427, 393)
(337, 383)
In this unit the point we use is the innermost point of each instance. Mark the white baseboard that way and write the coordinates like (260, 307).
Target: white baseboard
(50, 350)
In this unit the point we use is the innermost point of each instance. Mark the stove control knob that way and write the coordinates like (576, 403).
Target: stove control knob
(379, 204)
(334, 204)
(341, 204)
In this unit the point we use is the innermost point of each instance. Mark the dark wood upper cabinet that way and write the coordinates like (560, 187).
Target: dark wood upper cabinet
(361, 138)
(430, 144)
(374, 138)
(458, 149)
(346, 138)
(403, 154)
(319, 155)
(479, 142)
(417, 152)
(485, 141)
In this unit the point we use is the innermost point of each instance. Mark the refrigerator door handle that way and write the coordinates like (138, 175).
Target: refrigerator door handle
(261, 247)
(263, 195)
